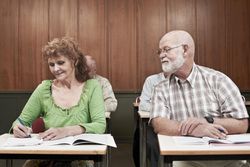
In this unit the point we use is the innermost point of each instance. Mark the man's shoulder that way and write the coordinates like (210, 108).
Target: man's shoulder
(102, 80)
(163, 83)
(155, 78)
(155, 75)
(211, 73)
(99, 77)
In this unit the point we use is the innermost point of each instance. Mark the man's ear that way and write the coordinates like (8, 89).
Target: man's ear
(185, 47)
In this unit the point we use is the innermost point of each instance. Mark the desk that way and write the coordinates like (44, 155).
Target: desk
(247, 103)
(108, 130)
(83, 152)
(143, 120)
(108, 117)
(172, 152)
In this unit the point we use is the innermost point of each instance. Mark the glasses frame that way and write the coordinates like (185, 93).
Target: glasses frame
(164, 50)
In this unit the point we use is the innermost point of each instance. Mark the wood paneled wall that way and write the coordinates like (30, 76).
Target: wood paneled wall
(122, 35)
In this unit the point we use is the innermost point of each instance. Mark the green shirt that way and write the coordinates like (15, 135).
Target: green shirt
(88, 113)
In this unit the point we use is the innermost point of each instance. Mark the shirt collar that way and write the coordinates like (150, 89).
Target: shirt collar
(190, 79)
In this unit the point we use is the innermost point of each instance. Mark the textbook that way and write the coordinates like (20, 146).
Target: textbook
(231, 139)
(104, 139)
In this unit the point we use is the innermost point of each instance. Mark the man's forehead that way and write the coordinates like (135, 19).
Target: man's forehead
(166, 42)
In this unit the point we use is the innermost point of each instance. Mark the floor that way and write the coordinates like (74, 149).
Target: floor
(120, 157)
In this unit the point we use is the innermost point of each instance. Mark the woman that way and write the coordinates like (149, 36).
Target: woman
(70, 104)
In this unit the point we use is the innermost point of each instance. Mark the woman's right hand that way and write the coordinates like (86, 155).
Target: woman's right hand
(21, 131)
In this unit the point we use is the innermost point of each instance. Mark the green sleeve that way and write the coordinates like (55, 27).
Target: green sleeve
(32, 108)
(96, 110)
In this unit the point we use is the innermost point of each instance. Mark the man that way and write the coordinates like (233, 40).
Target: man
(195, 100)
(145, 105)
(108, 94)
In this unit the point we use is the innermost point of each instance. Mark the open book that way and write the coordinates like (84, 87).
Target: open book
(105, 139)
(231, 139)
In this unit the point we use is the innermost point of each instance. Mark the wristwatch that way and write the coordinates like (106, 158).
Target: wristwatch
(209, 119)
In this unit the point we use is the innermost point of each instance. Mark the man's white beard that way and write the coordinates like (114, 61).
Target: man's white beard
(173, 66)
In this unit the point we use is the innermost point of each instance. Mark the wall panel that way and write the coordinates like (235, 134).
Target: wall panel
(122, 36)
(238, 31)
(92, 32)
(8, 44)
(181, 15)
(151, 26)
(211, 34)
(33, 30)
(63, 18)
(122, 44)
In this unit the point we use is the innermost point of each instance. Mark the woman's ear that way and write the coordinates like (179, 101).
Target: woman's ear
(76, 63)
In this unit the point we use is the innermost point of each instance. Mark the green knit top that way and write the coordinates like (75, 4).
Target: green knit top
(88, 113)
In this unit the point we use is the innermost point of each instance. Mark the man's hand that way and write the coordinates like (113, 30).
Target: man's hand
(186, 127)
(209, 130)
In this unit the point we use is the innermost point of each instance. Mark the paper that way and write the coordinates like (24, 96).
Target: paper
(13, 141)
(188, 140)
(231, 139)
(105, 139)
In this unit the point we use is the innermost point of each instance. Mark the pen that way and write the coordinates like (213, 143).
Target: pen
(21, 122)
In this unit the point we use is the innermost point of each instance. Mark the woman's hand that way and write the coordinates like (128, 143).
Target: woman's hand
(21, 131)
(53, 134)
(58, 133)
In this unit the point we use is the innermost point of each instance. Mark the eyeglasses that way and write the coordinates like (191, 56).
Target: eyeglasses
(166, 49)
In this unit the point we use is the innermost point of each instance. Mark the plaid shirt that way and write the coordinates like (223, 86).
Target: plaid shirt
(206, 92)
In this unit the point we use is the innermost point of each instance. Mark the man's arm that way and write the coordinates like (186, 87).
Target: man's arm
(109, 97)
(233, 125)
(169, 127)
(199, 127)
(165, 126)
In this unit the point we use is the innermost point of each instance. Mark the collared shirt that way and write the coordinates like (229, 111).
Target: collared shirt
(108, 94)
(147, 91)
(206, 92)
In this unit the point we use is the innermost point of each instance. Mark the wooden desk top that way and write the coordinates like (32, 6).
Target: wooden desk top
(136, 104)
(52, 150)
(143, 114)
(169, 147)
(247, 103)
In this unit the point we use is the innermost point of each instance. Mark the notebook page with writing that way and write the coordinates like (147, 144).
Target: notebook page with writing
(13, 141)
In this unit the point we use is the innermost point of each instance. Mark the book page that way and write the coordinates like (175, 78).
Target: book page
(63, 141)
(231, 139)
(188, 140)
(14, 141)
(214, 140)
(105, 139)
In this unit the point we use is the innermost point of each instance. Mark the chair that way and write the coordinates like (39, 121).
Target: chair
(136, 138)
(38, 125)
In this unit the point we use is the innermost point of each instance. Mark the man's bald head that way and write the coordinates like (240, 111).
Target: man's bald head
(178, 37)
(92, 65)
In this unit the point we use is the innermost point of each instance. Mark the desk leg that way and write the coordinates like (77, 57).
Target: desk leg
(9, 163)
(142, 143)
(168, 162)
(101, 162)
(108, 130)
